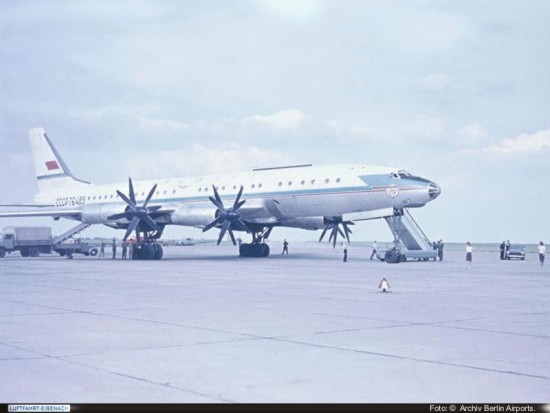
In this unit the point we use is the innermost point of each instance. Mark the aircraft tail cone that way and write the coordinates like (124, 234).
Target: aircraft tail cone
(384, 286)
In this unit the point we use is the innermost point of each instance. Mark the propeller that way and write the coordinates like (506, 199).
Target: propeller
(333, 224)
(136, 214)
(229, 218)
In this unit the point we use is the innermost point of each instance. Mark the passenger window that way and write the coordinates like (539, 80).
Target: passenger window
(289, 183)
(338, 180)
(327, 181)
(303, 182)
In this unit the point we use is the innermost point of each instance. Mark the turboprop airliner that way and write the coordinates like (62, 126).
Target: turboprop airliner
(310, 197)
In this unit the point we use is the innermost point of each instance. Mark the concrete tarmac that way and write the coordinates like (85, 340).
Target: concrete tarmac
(205, 326)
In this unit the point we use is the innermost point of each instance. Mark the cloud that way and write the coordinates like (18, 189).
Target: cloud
(436, 81)
(203, 160)
(426, 127)
(473, 134)
(292, 9)
(285, 120)
(523, 145)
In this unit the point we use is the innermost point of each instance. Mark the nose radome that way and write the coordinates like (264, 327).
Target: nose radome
(433, 190)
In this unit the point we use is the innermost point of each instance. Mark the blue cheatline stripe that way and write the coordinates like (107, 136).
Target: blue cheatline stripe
(286, 194)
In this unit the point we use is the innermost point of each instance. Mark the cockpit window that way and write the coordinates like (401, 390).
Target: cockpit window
(400, 174)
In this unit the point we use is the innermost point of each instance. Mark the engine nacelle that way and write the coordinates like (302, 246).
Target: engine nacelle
(98, 213)
(193, 215)
(311, 223)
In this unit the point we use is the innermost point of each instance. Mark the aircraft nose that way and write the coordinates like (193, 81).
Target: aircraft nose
(433, 190)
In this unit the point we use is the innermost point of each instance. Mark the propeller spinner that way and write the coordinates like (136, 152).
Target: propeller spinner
(136, 214)
(229, 218)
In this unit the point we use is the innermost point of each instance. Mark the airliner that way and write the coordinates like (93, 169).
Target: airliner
(323, 197)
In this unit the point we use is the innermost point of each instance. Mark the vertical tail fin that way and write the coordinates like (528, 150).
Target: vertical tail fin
(52, 172)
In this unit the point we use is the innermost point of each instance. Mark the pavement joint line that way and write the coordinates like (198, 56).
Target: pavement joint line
(443, 363)
(66, 360)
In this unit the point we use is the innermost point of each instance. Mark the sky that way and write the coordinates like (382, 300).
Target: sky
(454, 91)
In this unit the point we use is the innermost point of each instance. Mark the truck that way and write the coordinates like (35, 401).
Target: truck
(29, 241)
(33, 241)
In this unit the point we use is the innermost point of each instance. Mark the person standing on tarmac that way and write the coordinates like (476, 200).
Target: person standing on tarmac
(114, 248)
(542, 252)
(502, 249)
(102, 249)
(131, 249)
(440, 249)
(285, 247)
(124, 250)
(374, 249)
(469, 250)
(345, 248)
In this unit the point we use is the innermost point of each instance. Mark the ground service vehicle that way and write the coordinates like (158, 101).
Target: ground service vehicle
(69, 248)
(29, 241)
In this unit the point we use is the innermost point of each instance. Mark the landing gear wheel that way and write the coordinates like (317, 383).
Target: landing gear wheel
(391, 256)
(147, 252)
(158, 251)
(254, 250)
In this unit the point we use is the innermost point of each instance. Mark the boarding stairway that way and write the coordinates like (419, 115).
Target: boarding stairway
(68, 234)
(405, 229)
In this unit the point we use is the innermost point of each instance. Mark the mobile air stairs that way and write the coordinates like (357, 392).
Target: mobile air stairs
(68, 234)
(410, 242)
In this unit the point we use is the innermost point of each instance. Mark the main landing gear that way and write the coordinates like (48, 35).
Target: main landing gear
(147, 250)
(258, 247)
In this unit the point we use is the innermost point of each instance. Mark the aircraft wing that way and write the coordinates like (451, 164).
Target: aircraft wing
(73, 213)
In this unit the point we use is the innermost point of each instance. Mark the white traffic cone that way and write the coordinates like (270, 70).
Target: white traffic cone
(384, 286)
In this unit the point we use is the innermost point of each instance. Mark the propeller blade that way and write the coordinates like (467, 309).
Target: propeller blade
(347, 231)
(133, 224)
(217, 196)
(232, 236)
(226, 225)
(335, 232)
(238, 198)
(118, 216)
(131, 204)
(340, 231)
(131, 188)
(240, 225)
(212, 224)
(151, 192)
(218, 204)
(240, 204)
(323, 233)
(149, 221)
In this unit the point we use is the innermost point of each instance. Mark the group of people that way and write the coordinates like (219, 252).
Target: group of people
(504, 248)
(438, 246)
(127, 249)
